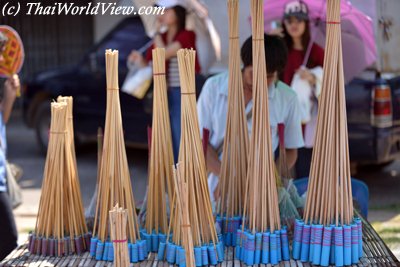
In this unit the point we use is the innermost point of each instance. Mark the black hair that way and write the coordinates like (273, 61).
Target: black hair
(305, 38)
(180, 13)
(275, 53)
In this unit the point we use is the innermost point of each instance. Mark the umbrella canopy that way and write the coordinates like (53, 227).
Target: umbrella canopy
(13, 54)
(358, 36)
(208, 41)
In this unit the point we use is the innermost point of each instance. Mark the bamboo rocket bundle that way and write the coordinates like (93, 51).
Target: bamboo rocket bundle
(161, 158)
(118, 223)
(236, 141)
(191, 157)
(114, 180)
(262, 239)
(329, 233)
(60, 225)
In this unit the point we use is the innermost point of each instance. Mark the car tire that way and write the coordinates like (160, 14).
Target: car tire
(42, 125)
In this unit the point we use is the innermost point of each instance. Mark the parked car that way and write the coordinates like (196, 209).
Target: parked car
(373, 98)
(86, 83)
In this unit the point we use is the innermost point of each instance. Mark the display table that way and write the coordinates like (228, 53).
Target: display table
(376, 253)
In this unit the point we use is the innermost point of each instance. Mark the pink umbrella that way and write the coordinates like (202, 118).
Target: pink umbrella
(358, 37)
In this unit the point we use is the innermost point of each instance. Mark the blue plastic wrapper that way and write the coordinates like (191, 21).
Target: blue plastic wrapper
(251, 247)
(204, 255)
(347, 244)
(360, 240)
(265, 248)
(141, 248)
(297, 240)
(285, 245)
(332, 254)
(177, 255)
(317, 244)
(326, 246)
(130, 248)
(147, 237)
(354, 244)
(312, 240)
(339, 246)
(257, 256)
(243, 252)
(111, 251)
(305, 243)
(105, 251)
(171, 253)
(274, 249)
(93, 246)
(220, 251)
(182, 257)
(99, 251)
(161, 251)
(278, 244)
(162, 238)
(154, 242)
(197, 256)
(212, 254)
(134, 253)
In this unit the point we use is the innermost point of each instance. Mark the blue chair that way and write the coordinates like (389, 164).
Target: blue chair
(359, 190)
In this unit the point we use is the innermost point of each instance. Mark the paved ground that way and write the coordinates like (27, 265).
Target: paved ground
(384, 185)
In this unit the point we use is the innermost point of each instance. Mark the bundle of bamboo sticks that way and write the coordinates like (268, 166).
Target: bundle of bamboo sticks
(60, 225)
(161, 158)
(329, 233)
(114, 180)
(194, 174)
(236, 141)
(263, 240)
(118, 223)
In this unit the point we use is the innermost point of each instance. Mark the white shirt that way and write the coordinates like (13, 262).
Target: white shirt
(212, 108)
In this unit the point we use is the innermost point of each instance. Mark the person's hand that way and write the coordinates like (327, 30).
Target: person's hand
(306, 74)
(136, 58)
(277, 32)
(12, 85)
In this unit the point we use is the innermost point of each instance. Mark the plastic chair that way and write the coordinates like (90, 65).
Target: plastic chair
(359, 190)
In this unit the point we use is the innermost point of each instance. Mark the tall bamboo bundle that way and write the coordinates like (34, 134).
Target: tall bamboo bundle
(262, 239)
(60, 225)
(114, 180)
(161, 158)
(236, 141)
(191, 157)
(329, 233)
(118, 223)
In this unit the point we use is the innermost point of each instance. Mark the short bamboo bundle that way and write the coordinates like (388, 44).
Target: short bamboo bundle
(118, 223)
(207, 247)
(329, 233)
(114, 180)
(236, 141)
(60, 226)
(161, 159)
(290, 203)
(261, 240)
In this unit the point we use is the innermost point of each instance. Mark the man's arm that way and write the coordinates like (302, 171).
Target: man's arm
(213, 162)
(291, 157)
(10, 93)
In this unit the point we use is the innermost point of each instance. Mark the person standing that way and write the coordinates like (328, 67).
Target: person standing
(174, 38)
(303, 72)
(8, 230)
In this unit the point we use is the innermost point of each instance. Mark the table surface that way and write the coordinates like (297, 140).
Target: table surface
(376, 253)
